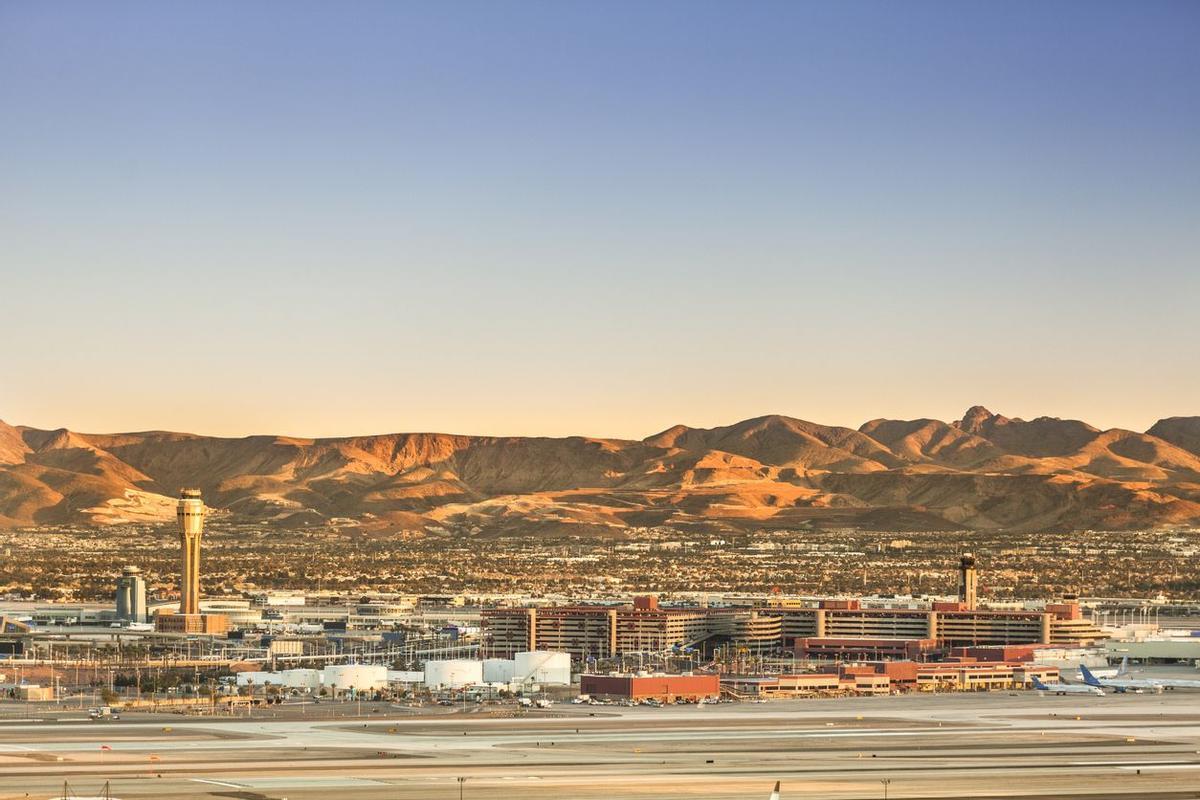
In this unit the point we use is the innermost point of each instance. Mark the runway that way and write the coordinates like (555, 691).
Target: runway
(1011, 745)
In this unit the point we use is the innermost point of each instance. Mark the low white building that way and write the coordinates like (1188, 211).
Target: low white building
(338, 677)
(259, 678)
(240, 612)
(277, 599)
(405, 677)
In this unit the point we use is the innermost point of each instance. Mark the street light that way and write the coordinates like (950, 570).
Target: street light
(885, 783)
(461, 781)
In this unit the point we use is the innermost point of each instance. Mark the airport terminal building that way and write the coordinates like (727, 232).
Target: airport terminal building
(593, 631)
(831, 628)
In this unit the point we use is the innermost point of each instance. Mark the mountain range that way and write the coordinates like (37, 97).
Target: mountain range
(985, 472)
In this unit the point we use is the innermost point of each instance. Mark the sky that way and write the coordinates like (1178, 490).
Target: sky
(568, 217)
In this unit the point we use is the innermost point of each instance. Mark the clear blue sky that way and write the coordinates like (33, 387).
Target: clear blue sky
(601, 218)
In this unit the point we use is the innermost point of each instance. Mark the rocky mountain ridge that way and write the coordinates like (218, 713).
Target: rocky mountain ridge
(985, 471)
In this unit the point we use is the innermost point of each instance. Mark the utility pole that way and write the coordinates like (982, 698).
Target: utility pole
(461, 781)
(886, 782)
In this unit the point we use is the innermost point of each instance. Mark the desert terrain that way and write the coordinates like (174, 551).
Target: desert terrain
(983, 472)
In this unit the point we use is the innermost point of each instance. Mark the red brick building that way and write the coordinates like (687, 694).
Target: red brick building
(665, 688)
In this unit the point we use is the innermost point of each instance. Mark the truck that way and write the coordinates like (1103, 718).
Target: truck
(103, 712)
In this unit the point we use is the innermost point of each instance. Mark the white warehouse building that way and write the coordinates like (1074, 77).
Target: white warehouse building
(405, 676)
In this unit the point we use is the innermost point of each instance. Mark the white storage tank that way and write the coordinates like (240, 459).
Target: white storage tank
(544, 666)
(356, 677)
(309, 679)
(453, 674)
(499, 670)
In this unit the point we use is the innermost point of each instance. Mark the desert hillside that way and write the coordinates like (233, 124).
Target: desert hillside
(985, 471)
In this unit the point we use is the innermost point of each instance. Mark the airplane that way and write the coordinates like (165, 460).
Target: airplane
(1066, 688)
(1174, 683)
(1120, 685)
(1109, 672)
(1165, 683)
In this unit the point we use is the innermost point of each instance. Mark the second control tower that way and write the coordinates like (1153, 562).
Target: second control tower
(968, 581)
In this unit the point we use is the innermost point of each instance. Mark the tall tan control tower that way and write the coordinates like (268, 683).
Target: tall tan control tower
(190, 512)
(968, 581)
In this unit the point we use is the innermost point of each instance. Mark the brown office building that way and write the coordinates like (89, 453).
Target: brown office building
(208, 624)
(593, 631)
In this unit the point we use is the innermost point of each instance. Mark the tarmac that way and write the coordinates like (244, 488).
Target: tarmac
(978, 745)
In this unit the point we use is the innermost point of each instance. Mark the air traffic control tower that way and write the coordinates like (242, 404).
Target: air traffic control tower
(190, 513)
(968, 581)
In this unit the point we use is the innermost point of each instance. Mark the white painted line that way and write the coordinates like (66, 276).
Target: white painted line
(1167, 766)
(298, 782)
(1118, 763)
(219, 783)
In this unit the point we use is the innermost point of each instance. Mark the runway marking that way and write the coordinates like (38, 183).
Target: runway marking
(10, 748)
(1165, 767)
(297, 782)
(219, 783)
(1122, 763)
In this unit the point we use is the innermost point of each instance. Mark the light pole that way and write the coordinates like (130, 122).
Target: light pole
(885, 782)
(461, 781)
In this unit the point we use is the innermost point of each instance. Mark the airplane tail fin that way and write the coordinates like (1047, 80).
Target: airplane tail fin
(1037, 684)
(1123, 670)
(1088, 677)
(775, 794)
